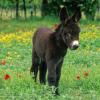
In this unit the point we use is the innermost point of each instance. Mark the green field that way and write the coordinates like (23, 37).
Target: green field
(80, 79)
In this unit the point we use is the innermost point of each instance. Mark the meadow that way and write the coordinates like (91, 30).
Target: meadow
(80, 79)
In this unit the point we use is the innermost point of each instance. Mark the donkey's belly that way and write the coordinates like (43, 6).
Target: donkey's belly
(41, 41)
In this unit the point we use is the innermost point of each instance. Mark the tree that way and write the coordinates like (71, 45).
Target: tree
(44, 7)
(24, 7)
(90, 8)
(17, 9)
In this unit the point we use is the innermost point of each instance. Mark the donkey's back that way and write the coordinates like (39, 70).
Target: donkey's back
(41, 39)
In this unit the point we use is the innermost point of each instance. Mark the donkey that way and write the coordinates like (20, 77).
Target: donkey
(50, 47)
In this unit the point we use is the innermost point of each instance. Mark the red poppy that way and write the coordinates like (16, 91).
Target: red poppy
(78, 77)
(6, 77)
(86, 74)
(3, 62)
(55, 26)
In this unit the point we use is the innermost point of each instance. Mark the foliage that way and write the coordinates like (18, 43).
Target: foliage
(90, 8)
(9, 3)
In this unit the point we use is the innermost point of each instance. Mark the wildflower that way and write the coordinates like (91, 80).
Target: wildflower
(8, 54)
(86, 74)
(55, 26)
(6, 77)
(3, 62)
(78, 77)
(15, 53)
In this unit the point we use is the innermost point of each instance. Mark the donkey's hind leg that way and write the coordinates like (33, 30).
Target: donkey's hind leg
(43, 70)
(35, 64)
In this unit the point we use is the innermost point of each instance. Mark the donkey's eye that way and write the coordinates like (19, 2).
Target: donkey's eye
(69, 35)
(64, 34)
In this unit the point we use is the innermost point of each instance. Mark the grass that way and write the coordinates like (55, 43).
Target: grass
(80, 78)
(26, 25)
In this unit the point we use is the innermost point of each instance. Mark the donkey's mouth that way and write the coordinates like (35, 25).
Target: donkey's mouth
(74, 45)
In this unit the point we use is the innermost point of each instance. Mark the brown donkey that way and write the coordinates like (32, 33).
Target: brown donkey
(50, 47)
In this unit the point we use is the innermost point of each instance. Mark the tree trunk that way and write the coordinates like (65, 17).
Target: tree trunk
(17, 9)
(1, 11)
(44, 6)
(24, 7)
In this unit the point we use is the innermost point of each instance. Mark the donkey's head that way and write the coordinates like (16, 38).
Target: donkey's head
(69, 28)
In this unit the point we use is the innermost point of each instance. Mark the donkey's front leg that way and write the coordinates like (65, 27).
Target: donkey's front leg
(51, 72)
(58, 73)
(51, 66)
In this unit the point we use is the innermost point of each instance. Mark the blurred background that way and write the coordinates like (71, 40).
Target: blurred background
(10, 9)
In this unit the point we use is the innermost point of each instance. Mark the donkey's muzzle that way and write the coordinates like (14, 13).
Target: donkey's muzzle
(75, 45)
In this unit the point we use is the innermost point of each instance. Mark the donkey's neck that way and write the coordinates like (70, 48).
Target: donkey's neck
(58, 38)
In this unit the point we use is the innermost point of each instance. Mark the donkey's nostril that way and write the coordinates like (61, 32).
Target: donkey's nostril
(75, 47)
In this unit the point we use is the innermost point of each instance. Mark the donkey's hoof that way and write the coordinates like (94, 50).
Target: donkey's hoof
(56, 94)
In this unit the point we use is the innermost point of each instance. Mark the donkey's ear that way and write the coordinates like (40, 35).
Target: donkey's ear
(63, 14)
(77, 16)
